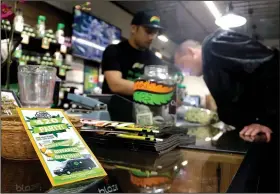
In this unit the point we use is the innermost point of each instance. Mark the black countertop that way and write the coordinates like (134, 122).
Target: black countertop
(212, 139)
(209, 165)
(180, 170)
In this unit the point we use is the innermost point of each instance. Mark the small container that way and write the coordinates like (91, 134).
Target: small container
(155, 97)
(58, 58)
(18, 52)
(60, 33)
(181, 92)
(41, 26)
(18, 21)
(36, 85)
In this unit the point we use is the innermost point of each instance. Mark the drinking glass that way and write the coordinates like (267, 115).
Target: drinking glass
(36, 85)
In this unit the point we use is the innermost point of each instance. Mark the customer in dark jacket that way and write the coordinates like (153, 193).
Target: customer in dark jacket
(242, 76)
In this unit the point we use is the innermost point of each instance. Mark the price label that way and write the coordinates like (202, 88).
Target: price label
(25, 39)
(63, 48)
(45, 43)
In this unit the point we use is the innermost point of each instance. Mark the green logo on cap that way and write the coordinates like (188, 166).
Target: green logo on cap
(155, 19)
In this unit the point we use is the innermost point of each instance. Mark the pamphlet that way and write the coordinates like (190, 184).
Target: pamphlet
(65, 156)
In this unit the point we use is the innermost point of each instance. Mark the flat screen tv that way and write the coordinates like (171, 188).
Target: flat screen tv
(91, 35)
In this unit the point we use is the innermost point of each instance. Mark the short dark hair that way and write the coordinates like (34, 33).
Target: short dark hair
(188, 43)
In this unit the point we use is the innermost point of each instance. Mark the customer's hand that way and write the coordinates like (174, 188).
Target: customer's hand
(254, 129)
(247, 138)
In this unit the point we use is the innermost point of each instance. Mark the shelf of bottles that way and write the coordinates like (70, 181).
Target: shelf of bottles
(38, 45)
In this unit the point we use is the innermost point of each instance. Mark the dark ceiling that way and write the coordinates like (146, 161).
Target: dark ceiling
(192, 19)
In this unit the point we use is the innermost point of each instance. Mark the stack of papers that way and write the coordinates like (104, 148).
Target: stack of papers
(132, 137)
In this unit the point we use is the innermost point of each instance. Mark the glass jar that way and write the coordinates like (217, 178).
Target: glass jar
(36, 85)
(155, 97)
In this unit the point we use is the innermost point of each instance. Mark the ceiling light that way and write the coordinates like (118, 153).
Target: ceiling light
(213, 9)
(115, 41)
(158, 54)
(163, 38)
(230, 20)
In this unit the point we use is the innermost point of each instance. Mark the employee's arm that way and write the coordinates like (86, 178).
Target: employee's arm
(111, 68)
(117, 84)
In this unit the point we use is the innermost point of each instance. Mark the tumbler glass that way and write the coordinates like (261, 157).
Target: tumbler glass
(36, 85)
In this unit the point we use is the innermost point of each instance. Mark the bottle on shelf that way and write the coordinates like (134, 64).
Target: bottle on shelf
(18, 21)
(62, 72)
(58, 58)
(60, 33)
(18, 52)
(41, 26)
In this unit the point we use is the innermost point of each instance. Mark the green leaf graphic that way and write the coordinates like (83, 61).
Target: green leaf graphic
(61, 147)
(59, 140)
(151, 98)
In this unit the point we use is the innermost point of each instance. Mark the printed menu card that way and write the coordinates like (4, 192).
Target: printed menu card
(65, 156)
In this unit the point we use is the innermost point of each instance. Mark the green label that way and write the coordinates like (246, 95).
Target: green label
(50, 128)
(42, 122)
(148, 98)
(62, 151)
(62, 143)
(67, 156)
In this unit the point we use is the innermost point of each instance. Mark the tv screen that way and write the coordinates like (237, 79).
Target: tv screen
(91, 35)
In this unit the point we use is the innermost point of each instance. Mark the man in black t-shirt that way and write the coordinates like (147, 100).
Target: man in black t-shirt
(125, 62)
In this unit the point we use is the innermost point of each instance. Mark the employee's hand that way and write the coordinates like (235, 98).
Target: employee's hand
(254, 129)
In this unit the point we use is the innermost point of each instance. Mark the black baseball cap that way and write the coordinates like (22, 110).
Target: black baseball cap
(143, 18)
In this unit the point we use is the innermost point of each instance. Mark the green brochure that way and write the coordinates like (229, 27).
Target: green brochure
(63, 153)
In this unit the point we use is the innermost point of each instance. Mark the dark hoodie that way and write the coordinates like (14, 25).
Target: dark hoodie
(243, 77)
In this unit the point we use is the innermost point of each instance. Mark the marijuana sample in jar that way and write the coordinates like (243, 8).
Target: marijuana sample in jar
(155, 97)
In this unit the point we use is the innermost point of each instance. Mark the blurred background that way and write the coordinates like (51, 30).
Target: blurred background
(182, 20)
